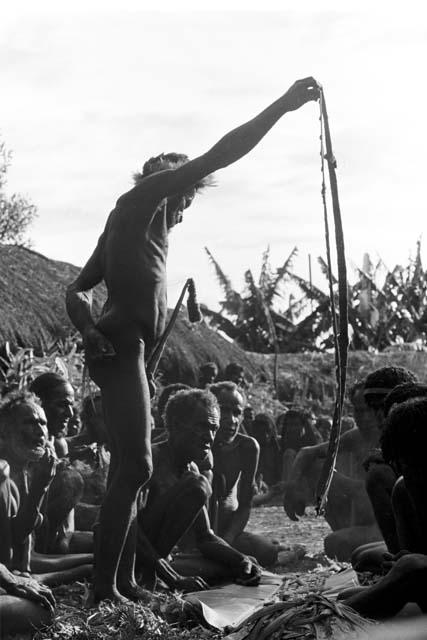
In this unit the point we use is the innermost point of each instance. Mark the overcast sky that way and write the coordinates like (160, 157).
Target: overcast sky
(89, 93)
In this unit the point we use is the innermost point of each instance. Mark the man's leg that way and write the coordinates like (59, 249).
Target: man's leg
(406, 582)
(165, 522)
(126, 403)
(19, 616)
(340, 544)
(262, 549)
(52, 563)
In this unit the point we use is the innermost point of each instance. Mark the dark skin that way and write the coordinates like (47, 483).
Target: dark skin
(131, 258)
(177, 504)
(29, 467)
(235, 465)
(25, 603)
(61, 536)
(406, 580)
(269, 470)
(58, 406)
(248, 418)
(348, 508)
(298, 431)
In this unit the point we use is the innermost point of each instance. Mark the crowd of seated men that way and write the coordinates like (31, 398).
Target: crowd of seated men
(214, 457)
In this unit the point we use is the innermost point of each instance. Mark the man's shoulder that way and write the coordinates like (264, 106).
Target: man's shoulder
(247, 443)
(146, 191)
(351, 437)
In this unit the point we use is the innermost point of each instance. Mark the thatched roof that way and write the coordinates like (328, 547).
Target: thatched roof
(33, 314)
(32, 298)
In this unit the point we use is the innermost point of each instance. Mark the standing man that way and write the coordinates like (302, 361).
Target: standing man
(131, 258)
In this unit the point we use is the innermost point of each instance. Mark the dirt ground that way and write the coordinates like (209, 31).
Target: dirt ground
(164, 615)
(272, 522)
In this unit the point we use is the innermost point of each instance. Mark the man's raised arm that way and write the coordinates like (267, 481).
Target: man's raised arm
(235, 144)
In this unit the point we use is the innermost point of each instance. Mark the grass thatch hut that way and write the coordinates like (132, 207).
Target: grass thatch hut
(33, 314)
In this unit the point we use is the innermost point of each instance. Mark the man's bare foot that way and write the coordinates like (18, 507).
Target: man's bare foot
(134, 592)
(111, 594)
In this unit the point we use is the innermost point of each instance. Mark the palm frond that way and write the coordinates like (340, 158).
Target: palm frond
(233, 300)
(312, 292)
(280, 274)
(265, 273)
(325, 270)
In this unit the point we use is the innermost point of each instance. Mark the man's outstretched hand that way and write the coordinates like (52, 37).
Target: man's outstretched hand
(249, 573)
(189, 584)
(293, 502)
(302, 91)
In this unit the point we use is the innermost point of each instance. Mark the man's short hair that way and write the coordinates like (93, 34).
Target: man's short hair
(171, 160)
(405, 432)
(168, 392)
(404, 392)
(263, 422)
(304, 415)
(182, 405)
(379, 383)
(226, 385)
(209, 367)
(44, 384)
(233, 367)
(11, 401)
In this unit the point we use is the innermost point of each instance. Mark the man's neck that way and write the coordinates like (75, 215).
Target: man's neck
(228, 446)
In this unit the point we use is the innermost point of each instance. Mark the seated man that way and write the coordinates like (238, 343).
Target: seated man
(349, 511)
(235, 465)
(248, 420)
(208, 373)
(27, 469)
(235, 373)
(297, 431)
(387, 493)
(58, 535)
(90, 455)
(159, 433)
(176, 499)
(269, 464)
(404, 444)
(323, 426)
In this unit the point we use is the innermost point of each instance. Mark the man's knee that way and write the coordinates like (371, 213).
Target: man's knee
(339, 545)
(412, 563)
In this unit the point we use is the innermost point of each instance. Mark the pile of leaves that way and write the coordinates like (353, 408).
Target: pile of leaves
(313, 618)
(159, 615)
